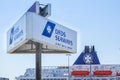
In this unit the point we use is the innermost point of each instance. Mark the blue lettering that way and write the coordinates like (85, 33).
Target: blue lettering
(64, 40)
(16, 31)
(59, 32)
(61, 37)
(18, 35)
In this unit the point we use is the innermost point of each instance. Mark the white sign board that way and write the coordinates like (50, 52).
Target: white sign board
(33, 27)
(16, 36)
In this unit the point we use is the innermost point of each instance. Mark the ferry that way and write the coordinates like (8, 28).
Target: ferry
(86, 67)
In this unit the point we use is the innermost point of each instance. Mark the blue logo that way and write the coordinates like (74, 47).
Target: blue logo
(48, 30)
(11, 35)
(88, 58)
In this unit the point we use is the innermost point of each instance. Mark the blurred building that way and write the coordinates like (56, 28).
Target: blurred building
(1, 78)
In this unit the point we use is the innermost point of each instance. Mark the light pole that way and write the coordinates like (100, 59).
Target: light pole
(68, 66)
(45, 12)
(90, 71)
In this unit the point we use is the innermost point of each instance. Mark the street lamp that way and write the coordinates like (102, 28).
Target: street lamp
(68, 66)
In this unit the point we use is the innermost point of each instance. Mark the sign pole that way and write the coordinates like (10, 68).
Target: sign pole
(38, 60)
(39, 47)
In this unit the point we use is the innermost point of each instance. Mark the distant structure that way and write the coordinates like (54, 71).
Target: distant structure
(1, 78)
(48, 73)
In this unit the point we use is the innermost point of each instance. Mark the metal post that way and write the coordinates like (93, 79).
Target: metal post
(38, 60)
(90, 72)
(68, 66)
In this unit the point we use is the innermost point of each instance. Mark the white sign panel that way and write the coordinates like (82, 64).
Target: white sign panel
(39, 29)
(52, 33)
(17, 34)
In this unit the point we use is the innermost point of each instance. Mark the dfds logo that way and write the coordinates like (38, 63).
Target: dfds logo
(15, 33)
(48, 30)
(88, 58)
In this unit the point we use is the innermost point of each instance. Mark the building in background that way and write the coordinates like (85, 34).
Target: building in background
(1, 78)
(86, 67)
(48, 73)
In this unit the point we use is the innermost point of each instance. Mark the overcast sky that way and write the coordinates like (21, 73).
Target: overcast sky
(97, 22)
